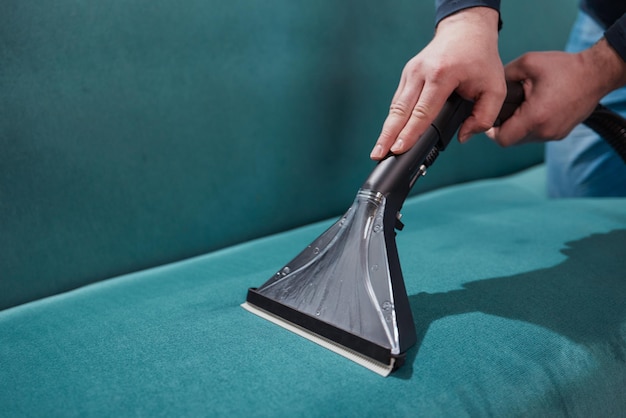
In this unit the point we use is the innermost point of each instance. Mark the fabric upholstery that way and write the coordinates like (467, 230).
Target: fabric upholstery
(518, 303)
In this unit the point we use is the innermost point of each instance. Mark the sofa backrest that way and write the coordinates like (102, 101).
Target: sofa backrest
(139, 132)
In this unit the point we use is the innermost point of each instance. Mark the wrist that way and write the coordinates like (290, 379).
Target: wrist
(606, 67)
(472, 26)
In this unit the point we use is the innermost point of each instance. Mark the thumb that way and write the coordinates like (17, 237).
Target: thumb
(514, 130)
(484, 113)
(518, 69)
(518, 127)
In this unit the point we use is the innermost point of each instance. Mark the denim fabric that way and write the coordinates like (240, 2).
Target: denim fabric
(583, 164)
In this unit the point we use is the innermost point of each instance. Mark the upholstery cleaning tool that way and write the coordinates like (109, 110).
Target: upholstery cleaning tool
(345, 291)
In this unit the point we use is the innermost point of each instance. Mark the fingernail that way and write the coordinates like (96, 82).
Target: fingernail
(377, 152)
(397, 146)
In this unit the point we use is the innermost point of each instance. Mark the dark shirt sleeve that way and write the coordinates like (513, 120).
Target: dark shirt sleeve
(616, 36)
(447, 7)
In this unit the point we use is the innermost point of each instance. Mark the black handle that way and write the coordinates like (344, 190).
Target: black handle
(396, 174)
(514, 98)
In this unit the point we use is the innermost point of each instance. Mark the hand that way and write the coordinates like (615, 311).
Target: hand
(463, 56)
(561, 90)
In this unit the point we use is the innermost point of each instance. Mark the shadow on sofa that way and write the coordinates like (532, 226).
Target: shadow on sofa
(581, 298)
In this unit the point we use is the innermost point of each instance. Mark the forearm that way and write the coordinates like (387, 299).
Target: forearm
(606, 67)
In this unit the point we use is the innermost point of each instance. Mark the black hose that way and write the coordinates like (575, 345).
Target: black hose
(610, 126)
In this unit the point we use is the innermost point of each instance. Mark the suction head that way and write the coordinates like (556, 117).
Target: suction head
(346, 288)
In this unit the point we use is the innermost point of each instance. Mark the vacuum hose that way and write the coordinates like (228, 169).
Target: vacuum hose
(610, 126)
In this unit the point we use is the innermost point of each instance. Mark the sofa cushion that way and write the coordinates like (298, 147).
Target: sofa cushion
(518, 303)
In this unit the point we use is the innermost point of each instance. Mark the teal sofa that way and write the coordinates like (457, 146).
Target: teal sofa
(157, 159)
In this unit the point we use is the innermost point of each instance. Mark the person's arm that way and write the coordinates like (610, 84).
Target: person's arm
(562, 89)
(463, 57)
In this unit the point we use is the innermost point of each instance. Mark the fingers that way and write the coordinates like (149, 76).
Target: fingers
(513, 132)
(485, 111)
(417, 103)
(517, 129)
(430, 102)
(517, 69)
(399, 112)
(411, 112)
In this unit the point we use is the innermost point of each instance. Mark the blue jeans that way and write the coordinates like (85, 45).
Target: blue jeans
(583, 164)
